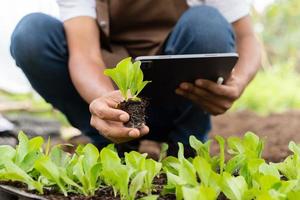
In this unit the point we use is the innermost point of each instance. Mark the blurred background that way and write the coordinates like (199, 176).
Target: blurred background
(269, 106)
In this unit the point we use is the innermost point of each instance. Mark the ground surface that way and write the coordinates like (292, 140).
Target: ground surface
(277, 129)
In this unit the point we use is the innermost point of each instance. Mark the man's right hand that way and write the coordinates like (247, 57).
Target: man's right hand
(109, 120)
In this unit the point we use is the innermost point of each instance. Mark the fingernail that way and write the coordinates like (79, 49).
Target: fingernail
(134, 133)
(198, 82)
(184, 86)
(124, 118)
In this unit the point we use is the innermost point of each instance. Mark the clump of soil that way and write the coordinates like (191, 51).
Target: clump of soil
(136, 111)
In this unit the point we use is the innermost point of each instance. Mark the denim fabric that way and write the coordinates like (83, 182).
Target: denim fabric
(39, 48)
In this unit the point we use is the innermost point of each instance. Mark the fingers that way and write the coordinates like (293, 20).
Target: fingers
(116, 131)
(213, 88)
(211, 103)
(221, 90)
(111, 129)
(103, 111)
(144, 130)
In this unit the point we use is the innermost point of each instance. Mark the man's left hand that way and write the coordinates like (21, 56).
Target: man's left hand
(211, 97)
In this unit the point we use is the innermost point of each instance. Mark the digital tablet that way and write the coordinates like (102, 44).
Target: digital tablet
(167, 72)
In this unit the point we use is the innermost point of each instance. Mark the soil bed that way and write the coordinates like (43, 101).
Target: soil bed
(277, 130)
(105, 193)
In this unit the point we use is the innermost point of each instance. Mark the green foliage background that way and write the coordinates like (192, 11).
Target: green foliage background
(276, 87)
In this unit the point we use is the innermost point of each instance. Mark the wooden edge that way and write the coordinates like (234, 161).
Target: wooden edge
(20, 193)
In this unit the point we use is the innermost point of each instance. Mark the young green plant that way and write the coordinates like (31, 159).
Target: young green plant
(128, 76)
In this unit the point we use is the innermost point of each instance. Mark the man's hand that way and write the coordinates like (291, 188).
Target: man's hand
(109, 120)
(211, 97)
(217, 99)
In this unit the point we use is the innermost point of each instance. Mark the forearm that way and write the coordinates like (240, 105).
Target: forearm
(249, 52)
(87, 77)
(85, 60)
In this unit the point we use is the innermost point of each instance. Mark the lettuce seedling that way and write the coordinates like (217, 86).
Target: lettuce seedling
(234, 188)
(290, 168)
(53, 171)
(203, 150)
(28, 151)
(118, 176)
(13, 172)
(128, 77)
(87, 168)
(138, 163)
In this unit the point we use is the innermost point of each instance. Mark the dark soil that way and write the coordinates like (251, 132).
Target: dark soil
(136, 111)
(105, 193)
(276, 129)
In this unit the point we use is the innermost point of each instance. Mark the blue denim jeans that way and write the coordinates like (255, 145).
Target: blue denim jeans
(40, 49)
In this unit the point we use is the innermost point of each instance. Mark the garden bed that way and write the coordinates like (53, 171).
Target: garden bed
(89, 174)
(277, 130)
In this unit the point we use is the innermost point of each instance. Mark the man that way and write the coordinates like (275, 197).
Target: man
(65, 61)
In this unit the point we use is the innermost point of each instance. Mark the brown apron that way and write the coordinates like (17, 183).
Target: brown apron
(135, 27)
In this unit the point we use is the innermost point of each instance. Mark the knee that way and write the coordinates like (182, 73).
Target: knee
(208, 29)
(31, 36)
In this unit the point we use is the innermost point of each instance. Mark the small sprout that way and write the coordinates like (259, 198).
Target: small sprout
(128, 76)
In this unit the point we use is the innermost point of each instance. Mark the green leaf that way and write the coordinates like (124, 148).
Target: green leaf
(201, 149)
(91, 156)
(153, 168)
(171, 164)
(180, 152)
(288, 186)
(78, 171)
(221, 142)
(294, 195)
(207, 193)
(187, 173)
(191, 193)
(22, 147)
(27, 151)
(118, 178)
(109, 159)
(141, 86)
(271, 170)
(135, 160)
(135, 77)
(199, 192)
(70, 182)
(235, 163)
(295, 148)
(136, 184)
(267, 182)
(163, 151)
(150, 197)
(203, 169)
(251, 146)
(59, 157)
(290, 168)
(128, 76)
(234, 188)
(207, 176)
(48, 169)
(7, 154)
(14, 173)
